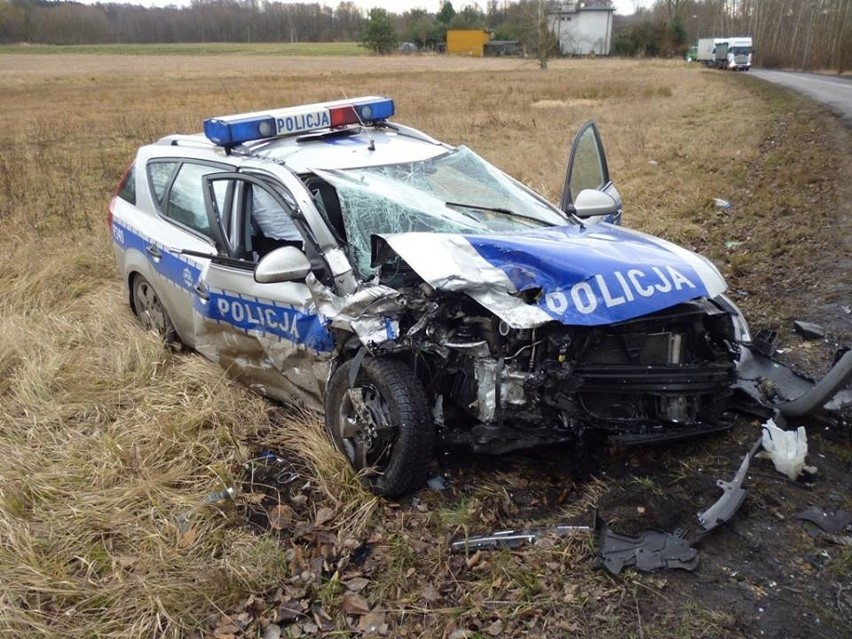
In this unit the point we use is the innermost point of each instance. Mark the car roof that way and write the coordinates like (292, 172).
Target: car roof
(360, 146)
(364, 147)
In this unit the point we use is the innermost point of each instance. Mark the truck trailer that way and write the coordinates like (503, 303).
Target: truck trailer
(731, 53)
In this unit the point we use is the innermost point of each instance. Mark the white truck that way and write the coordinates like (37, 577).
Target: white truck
(732, 53)
(707, 51)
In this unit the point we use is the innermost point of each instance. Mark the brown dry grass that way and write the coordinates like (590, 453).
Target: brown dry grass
(108, 438)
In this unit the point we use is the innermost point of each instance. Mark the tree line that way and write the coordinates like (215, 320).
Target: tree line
(58, 22)
(802, 34)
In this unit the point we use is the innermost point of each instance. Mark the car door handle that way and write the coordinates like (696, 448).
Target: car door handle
(202, 291)
(153, 251)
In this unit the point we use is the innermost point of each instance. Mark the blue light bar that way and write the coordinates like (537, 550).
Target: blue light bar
(231, 130)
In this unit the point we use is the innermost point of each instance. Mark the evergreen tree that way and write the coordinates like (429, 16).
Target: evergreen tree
(446, 13)
(378, 35)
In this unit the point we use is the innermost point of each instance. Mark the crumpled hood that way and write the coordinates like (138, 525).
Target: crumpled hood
(593, 276)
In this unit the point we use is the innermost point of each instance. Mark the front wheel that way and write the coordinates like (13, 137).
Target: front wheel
(382, 424)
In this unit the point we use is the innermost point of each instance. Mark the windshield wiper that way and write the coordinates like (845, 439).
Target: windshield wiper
(493, 209)
(477, 207)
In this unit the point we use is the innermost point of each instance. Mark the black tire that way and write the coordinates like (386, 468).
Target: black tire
(382, 424)
(150, 310)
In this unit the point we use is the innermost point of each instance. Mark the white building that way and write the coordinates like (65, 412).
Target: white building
(583, 27)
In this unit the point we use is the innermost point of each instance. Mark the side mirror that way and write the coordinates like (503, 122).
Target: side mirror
(285, 264)
(591, 203)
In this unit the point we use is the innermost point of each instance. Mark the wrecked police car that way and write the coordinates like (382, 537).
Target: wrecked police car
(411, 291)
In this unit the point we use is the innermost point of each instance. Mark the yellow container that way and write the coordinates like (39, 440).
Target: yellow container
(467, 42)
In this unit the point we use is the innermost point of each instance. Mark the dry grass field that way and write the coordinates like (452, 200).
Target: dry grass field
(111, 442)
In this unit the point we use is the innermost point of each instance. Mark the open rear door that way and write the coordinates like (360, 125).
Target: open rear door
(588, 191)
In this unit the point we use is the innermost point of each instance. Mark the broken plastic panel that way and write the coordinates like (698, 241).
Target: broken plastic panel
(652, 550)
(732, 497)
(833, 522)
(777, 386)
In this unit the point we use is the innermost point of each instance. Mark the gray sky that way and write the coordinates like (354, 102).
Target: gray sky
(397, 6)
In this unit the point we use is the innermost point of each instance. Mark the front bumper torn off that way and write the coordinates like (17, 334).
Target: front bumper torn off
(778, 387)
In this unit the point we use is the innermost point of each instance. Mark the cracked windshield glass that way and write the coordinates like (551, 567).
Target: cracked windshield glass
(457, 192)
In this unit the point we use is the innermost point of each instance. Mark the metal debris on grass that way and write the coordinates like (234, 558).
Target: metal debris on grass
(515, 538)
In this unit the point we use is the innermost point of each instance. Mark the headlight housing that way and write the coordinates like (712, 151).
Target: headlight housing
(741, 330)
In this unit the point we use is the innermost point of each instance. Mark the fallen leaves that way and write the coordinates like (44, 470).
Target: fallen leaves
(356, 584)
(280, 517)
(373, 623)
(355, 604)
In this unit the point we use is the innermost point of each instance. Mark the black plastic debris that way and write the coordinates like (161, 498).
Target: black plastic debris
(652, 550)
(773, 385)
(765, 342)
(832, 522)
(656, 549)
(809, 330)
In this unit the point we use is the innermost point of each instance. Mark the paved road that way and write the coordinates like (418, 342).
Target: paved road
(833, 91)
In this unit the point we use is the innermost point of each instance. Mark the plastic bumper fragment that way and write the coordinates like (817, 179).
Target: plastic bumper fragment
(652, 550)
(778, 387)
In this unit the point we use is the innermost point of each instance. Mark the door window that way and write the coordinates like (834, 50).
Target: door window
(186, 197)
(255, 215)
(587, 172)
(160, 175)
(587, 168)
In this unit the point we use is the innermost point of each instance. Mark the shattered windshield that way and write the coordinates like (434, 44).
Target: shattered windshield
(457, 192)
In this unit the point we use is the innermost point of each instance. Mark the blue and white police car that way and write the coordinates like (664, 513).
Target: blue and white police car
(328, 255)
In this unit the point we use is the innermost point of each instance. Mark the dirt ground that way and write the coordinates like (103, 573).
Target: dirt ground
(764, 574)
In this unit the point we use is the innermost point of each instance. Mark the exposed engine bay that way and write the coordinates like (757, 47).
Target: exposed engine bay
(495, 388)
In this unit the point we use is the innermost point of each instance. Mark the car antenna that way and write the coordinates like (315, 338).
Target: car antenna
(229, 147)
(230, 97)
(372, 146)
(572, 213)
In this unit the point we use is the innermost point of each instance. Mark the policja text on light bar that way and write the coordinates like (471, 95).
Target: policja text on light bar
(231, 130)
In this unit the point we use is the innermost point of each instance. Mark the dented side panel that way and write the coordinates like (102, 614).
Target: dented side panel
(269, 336)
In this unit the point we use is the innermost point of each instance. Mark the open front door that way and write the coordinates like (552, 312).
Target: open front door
(588, 191)
(269, 335)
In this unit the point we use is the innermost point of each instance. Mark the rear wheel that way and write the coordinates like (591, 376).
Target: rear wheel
(150, 310)
(382, 424)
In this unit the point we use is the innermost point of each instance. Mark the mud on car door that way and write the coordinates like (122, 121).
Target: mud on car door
(267, 334)
(588, 192)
